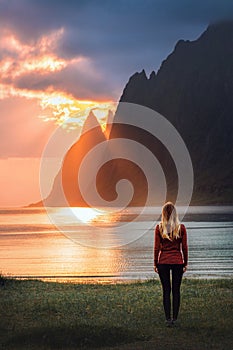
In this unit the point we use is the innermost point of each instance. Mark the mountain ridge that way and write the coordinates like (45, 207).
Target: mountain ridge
(193, 90)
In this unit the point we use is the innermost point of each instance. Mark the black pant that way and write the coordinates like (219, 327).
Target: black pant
(164, 274)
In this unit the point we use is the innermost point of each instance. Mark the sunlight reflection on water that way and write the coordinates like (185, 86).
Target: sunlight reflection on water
(31, 246)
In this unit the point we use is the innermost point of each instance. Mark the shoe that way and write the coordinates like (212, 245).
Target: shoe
(174, 322)
(168, 322)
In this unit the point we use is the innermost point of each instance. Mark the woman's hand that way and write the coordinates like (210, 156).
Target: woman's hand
(184, 269)
(156, 269)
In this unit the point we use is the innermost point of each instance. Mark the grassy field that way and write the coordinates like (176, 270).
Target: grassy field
(39, 315)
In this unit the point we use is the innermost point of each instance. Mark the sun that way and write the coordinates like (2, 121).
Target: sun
(86, 215)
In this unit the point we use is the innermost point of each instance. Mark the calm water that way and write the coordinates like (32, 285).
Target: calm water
(31, 246)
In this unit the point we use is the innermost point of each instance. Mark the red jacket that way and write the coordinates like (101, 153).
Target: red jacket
(171, 252)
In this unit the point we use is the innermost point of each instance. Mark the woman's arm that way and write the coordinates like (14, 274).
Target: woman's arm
(156, 247)
(184, 245)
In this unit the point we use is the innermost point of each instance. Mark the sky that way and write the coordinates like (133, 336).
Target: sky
(62, 58)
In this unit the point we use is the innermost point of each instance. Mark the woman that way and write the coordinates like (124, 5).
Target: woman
(170, 254)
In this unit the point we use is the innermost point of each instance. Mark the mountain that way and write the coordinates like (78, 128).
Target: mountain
(65, 190)
(193, 90)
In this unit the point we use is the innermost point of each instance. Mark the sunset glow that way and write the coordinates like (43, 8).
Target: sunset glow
(86, 215)
(47, 91)
(23, 63)
(36, 58)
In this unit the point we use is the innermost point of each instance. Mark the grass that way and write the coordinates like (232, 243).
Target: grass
(40, 315)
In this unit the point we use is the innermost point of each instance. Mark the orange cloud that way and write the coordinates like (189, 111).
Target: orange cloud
(21, 63)
(38, 57)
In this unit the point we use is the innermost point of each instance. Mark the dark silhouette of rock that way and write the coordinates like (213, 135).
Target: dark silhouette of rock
(193, 90)
(65, 190)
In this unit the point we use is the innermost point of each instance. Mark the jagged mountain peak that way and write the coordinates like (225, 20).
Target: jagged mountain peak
(152, 75)
(90, 122)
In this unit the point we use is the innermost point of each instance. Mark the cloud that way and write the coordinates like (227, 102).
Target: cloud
(110, 22)
(78, 78)
(38, 72)
(34, 67)
(115, 37)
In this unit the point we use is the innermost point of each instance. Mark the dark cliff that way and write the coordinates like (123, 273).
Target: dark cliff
(193, 90)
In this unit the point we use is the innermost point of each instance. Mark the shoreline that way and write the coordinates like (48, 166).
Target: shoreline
(77, 280)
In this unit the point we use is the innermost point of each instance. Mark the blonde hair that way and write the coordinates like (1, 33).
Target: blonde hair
(170, 225)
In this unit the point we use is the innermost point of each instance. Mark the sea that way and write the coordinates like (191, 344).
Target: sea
(91, 249)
